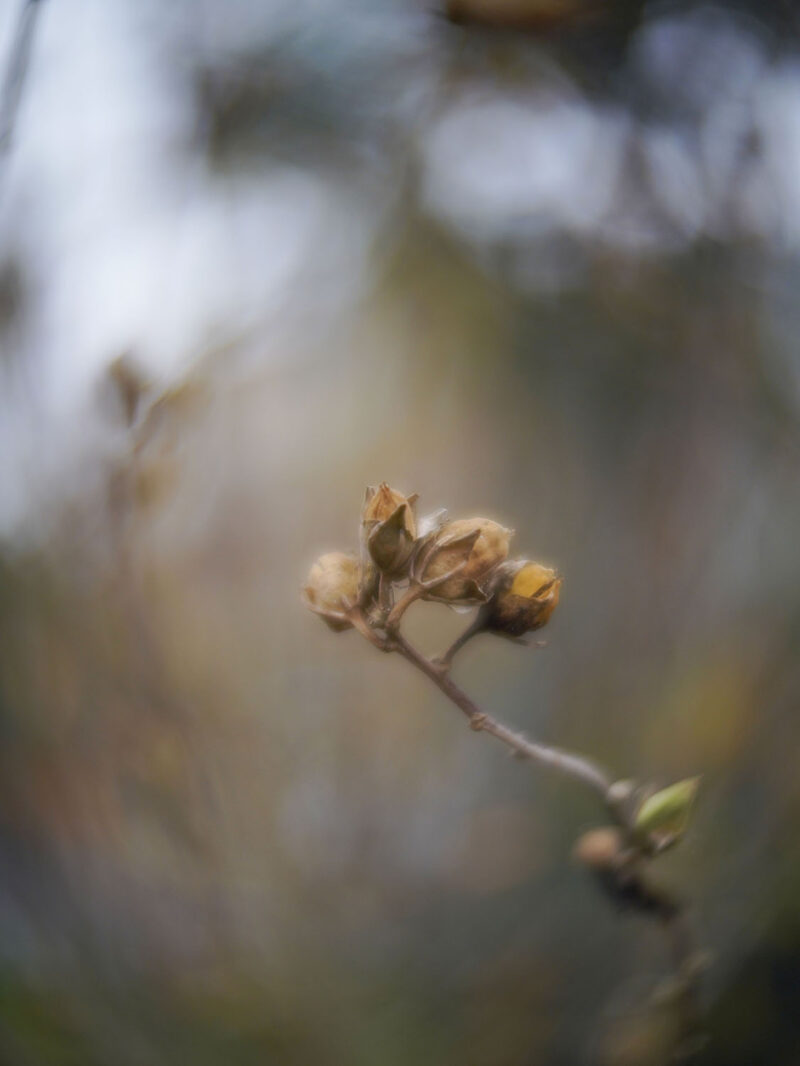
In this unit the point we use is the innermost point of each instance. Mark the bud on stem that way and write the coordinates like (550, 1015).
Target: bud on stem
(332, 588)
(457, 562)
(389, 529)
(526, 594)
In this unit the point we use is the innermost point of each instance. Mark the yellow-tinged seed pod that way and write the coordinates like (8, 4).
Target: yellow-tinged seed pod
(474, 547)
(332, 588)
(525, 597)
(531, 578)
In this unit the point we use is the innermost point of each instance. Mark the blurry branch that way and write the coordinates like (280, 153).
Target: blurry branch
(15, 77)
(564, 762)
(140, 480)
(143, 475)
(533, 16)
(619, 862)
(464, 563)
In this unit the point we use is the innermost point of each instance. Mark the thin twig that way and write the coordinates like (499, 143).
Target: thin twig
(670, 912)
(565, 762)
(476, 626)
(619, 858)
(411, 595)
(688, 966)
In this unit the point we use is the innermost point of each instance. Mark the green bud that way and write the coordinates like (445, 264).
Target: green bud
(666, 813)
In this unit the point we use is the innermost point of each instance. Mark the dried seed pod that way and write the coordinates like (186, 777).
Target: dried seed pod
(459, 560)
(332, 588)
(599, 849)
(389, 528)
(525, 596)
(431, 523)
(620, 874)
(381, 503)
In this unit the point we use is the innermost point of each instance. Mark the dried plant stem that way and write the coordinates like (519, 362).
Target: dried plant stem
(688, 967)
(671, 913)
(473, 629)
(411, 595)
(575, 766)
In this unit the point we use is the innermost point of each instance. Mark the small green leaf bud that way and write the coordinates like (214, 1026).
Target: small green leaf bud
(666, 814)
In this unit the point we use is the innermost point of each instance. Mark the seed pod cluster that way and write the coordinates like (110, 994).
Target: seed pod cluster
(461, 562)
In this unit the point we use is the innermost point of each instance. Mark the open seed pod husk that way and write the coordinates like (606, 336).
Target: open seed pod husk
(389, 528)
(457, 562)
(525, 595)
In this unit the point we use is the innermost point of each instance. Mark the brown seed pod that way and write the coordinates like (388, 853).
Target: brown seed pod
(526, 594)
(332, 588)
(599, 849)
(389, 528)
(469, 550)
(381, 503)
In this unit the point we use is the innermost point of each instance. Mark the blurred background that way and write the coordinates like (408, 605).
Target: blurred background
(533, 259)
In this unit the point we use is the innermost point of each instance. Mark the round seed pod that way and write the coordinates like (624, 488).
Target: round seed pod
(332, 588)
(389, 528)
(474, 548)
(525, 596)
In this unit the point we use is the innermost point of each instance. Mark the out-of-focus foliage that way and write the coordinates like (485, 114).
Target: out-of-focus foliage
(547, 276)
